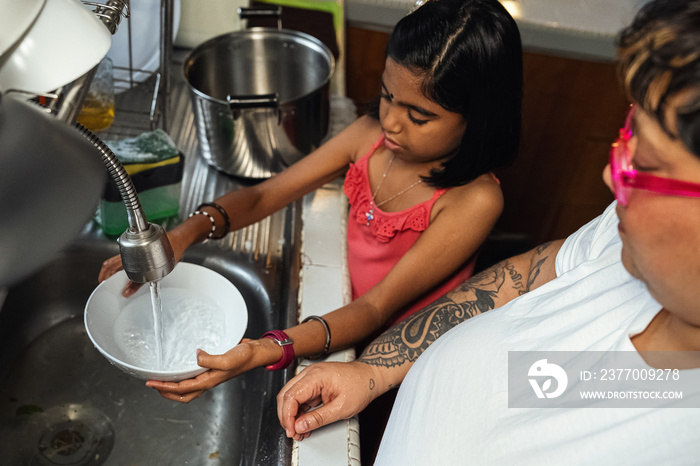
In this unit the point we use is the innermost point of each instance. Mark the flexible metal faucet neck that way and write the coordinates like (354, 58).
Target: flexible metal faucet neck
(127, 190)
(145, 249)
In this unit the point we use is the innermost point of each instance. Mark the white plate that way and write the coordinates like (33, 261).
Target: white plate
(145, 35)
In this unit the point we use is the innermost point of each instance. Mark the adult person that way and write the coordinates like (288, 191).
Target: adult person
(625, 282)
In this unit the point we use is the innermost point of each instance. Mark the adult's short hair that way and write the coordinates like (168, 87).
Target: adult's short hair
(659, 56)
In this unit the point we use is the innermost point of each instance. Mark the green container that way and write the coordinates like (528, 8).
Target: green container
(155, 166)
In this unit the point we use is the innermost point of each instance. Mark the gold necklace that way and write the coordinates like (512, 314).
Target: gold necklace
(369, 215)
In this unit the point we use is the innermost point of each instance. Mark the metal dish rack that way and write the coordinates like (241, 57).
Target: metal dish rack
(132, 116)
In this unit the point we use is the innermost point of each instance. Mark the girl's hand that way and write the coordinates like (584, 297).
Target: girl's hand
(236, 361)
(343, 389)
(109, 268)
(114, 264)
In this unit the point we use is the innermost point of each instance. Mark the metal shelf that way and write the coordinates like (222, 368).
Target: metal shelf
(135, 114)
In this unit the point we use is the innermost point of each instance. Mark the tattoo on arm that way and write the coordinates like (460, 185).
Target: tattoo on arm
(517, 279)
(535, 268)
(407, 340)
(534, 273)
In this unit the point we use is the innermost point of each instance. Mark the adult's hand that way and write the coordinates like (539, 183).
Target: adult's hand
(239, 359)
(343, 389)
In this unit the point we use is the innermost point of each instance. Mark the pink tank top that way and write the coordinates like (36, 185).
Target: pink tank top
(375, 246)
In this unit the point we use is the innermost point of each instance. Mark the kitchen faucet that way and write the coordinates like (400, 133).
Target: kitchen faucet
(144, 247)
(29, 134)
(63, 171)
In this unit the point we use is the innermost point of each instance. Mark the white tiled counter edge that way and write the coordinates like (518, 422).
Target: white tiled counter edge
(324, 287)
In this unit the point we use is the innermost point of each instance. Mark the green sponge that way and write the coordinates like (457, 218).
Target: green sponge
(155, 166)
(153, 146)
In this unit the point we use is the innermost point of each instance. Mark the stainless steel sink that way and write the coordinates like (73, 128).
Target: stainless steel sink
(61, 402)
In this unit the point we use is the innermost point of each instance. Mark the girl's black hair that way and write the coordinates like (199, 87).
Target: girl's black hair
(659, 56)
(470, 56)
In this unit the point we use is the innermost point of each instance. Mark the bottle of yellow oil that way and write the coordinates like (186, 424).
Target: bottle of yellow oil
(97, 112)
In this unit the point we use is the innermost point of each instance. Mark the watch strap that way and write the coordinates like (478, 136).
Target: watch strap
(287, 344)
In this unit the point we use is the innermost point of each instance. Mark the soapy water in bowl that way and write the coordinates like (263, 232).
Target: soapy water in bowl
(189, 322)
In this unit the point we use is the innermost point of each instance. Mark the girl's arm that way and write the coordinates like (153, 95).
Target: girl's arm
(345, 389)
(246, 206)
(464, 220)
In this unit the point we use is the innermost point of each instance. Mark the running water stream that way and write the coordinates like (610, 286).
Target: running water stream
(163, 330)
(157, 305)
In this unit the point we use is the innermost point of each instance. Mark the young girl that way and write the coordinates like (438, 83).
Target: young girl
(418, 178)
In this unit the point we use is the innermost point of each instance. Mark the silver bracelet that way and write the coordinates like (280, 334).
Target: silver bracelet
(327, 346)
(208, 215)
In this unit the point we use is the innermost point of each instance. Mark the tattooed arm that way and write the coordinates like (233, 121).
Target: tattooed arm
(492, 288)
(345, 389)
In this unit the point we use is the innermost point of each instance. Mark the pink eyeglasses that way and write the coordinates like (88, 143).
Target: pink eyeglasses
(625, 178)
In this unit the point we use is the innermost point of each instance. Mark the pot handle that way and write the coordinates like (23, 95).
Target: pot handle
(272, 12)
(239, 102)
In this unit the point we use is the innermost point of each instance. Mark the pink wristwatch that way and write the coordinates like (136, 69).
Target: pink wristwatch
(287, 344)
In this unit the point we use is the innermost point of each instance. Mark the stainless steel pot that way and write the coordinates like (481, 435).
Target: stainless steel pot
(260, 98)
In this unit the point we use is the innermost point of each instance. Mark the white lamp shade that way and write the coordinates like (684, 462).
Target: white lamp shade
(65, 42)
(16, 19)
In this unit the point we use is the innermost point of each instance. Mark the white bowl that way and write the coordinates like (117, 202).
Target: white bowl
(65, 42)
(201, 309)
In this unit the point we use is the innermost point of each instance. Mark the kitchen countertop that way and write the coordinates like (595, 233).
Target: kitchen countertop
(324, 287)
(576, 28)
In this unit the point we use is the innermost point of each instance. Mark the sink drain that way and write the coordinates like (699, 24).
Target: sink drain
(74, 435)
(68, 443)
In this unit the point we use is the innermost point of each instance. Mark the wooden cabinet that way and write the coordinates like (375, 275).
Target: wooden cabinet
(572, 110)
(364, 60)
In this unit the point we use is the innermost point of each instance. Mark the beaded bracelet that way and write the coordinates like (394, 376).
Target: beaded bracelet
(287, 344)
(208, 215)
(222, 211)
(327, 346)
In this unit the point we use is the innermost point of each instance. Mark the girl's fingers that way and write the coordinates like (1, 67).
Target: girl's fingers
(168, 387)
(112, 266)
(186, 398)
(183, 387)
(109, 268)
(131, 288)
(207, 360)
(235, 358)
